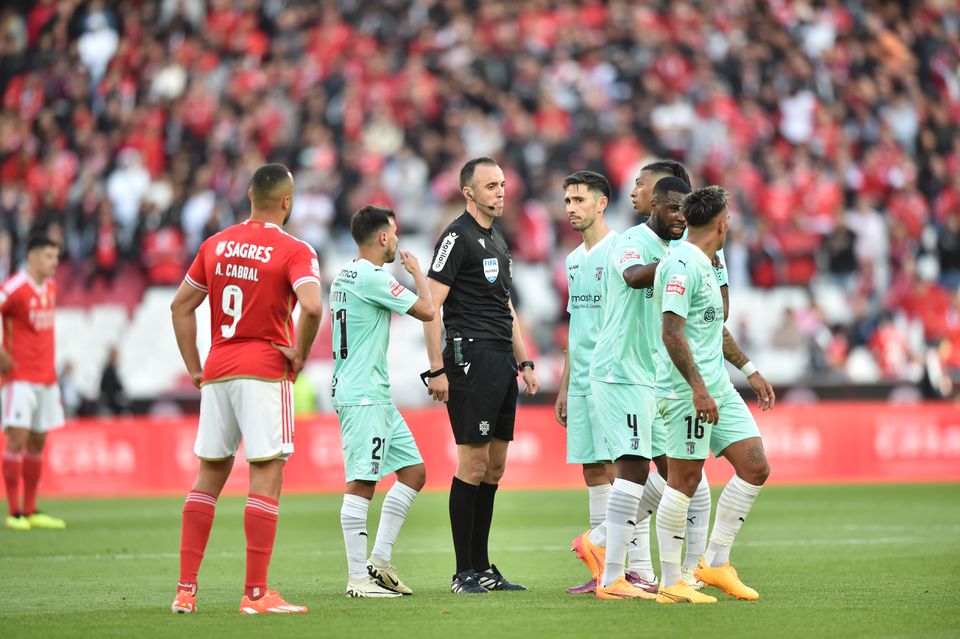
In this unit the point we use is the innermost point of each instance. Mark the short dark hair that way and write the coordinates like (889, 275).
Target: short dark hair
(368, 221)
(267, 179)
(594, 181)
(466, 173)
(703, 205)
(670, 167)
(665, 185)
(40, 241)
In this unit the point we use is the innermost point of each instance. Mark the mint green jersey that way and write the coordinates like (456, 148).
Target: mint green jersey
(686, 284)
(587, 272)
(361, 299)
(721, 270)
(623, 354)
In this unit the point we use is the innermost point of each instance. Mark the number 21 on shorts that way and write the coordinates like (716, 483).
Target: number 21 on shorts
(375, 455)
(232, 307)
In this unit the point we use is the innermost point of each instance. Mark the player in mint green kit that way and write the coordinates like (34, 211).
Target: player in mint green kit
(622, 379)
(587, 270)
(376, 440)
(702, 411)
(664, 212)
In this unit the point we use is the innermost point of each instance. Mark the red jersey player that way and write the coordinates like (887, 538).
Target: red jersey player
(254, 274)
(30, 397)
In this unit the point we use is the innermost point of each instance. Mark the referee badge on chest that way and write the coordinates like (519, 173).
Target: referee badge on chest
(491, 269)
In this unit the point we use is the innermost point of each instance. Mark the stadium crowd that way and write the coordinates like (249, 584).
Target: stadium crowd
(130, 129)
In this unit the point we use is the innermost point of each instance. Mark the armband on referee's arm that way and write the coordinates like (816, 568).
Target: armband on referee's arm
(748, 369)
(524, 364)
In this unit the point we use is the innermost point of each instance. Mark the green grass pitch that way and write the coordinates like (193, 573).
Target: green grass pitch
(854, 561)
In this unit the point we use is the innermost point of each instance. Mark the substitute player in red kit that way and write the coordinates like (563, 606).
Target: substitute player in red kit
(29, 397)
(254, 273)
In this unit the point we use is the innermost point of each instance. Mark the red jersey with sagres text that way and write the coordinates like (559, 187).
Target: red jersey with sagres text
(250, 271)
(27, 310)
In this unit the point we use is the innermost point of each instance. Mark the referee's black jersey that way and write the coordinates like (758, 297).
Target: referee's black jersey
(475, 263)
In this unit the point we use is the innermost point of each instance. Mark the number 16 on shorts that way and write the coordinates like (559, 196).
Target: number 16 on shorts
(694, 431)
(691, 438)
(688, 437)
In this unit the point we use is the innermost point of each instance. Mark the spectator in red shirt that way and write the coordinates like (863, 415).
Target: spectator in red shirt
(891, 350)
(164, 253)
(105, 260)
(909, 208)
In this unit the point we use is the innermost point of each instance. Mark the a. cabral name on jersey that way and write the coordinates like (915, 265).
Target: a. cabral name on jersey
(238, 271)
(244, 250)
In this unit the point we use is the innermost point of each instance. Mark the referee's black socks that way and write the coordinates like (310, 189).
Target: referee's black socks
(463, 506)
(482, 518)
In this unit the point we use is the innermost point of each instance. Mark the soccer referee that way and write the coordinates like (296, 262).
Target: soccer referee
(475, 372)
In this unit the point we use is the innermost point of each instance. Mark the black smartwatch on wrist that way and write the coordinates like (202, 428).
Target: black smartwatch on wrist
(524, 364)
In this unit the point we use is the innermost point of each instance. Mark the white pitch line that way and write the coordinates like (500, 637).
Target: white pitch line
(863, 541)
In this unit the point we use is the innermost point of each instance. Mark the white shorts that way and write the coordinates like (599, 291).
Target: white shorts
(36, 407)
(258, 412)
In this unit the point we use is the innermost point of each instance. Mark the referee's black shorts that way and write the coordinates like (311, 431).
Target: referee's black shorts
(483, 396)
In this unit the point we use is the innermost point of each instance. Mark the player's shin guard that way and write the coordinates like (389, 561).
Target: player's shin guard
(260, 525)
(652, 493)
(12, 471)
(638, 552)
(621, 524)
(198, 511)
(698, 523)
(32, 466)
(597, 496)
(671, 522)
(733, 506)
(353, 522)
(392, 515)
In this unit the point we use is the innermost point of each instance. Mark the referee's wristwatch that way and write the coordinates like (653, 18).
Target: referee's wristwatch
(524, 364)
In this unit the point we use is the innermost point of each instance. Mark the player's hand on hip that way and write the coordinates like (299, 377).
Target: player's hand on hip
(439, 388)
(706, 407)
(410, 262)
(765, 395)
(196, 378)
(531, 383)
(296, 362)
(560, 409)
(6, 362)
